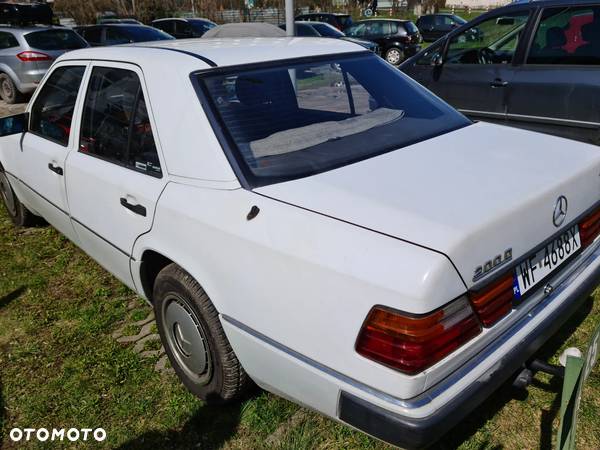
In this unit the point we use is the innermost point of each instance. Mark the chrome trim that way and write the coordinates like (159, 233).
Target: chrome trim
(553, 120)
(530, 118)
(567, 278)
(490, 114)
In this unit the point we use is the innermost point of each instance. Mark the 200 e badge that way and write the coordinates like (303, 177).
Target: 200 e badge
(492, 264)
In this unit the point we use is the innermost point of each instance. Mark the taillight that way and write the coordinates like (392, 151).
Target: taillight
(30, 56)
(494, 301)
(589, 228)
(413, 343)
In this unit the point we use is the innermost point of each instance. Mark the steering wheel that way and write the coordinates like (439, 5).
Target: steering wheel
(486, 55)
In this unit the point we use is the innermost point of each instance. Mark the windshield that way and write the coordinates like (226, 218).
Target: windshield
(327, 30)
(145, 34)
(458, 19)
(55, 40)
(295, 120)
(410, 27)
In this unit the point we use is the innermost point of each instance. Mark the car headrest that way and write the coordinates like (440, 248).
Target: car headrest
(590, 32)
(555, 37)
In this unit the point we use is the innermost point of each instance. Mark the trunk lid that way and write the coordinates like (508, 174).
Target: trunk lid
(470, 194)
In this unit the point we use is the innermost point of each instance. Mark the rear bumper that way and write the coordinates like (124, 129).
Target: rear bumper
(413, 432)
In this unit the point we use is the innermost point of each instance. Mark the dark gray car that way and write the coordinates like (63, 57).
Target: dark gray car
(26, 54)
(535, 66)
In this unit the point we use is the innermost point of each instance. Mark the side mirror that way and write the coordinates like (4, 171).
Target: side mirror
(19, 123)
(437, 60)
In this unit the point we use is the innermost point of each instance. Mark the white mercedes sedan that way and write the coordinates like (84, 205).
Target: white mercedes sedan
(301, 214)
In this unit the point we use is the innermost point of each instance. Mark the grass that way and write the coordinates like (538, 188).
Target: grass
(61, 368)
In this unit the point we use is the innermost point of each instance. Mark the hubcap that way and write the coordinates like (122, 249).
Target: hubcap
(7, 89)
(187, 339)
(7, 195)
(393, 56)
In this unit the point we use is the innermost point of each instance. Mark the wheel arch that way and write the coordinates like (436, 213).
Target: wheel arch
(151, 263)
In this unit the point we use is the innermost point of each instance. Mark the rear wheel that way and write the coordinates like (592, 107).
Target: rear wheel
(394, 56)
(17, 212)
(8, 90)
(194, 339)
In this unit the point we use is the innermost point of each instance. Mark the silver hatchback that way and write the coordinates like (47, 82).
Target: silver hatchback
(26, 53)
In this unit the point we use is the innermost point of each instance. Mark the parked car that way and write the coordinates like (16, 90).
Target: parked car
(434, 26)
(534, 67)
(26, 53)
(340, 21)
(21, 14)
(322, 29)
(397, 39)
(184, 28)
(244, 30)
(316, 222)
(100, 35)
(113, 20)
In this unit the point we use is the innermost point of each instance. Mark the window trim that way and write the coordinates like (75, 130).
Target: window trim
(74, 120)
(107, 64)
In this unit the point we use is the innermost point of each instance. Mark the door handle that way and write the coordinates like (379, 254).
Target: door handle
(138, 209)
(56, 169)
(497, 83)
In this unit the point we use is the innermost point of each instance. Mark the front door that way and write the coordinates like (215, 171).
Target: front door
(556, 90)
(115, 176)
(45, 147)
(478, 66)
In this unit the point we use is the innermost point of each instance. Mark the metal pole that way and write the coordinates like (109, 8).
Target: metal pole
(290, 27)
(193, 9)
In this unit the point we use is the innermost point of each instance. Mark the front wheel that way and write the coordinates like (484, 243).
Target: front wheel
(394, 56)
(18, 213)
(194, 339)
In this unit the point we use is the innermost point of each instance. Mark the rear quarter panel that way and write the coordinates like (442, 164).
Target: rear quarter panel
(302, 279)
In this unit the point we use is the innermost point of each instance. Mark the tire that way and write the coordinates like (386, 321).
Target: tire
(8, 90)
(394, 55)
(194, 339)
(18, 213)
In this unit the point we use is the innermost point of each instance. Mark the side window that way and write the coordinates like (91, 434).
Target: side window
(52, 111)
(183, 28)
(7, 40)
(168, 26)
(115, 124)
(567, 35)
(493, 41)
(115, 37)
(93, 35)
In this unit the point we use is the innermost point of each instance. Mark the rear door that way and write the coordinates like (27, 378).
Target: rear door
(479, 65)
(557, 90)
(116, 174)
(45, 147)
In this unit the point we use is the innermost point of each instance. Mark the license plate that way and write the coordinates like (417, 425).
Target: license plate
(542, 263)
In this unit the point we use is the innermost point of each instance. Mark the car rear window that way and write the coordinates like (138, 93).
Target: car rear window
(55, 40)
(292, 120)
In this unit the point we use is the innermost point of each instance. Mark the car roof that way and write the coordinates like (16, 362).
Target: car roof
(377, 19)
(31, 28)
(218, 52)
(324, 14)
(546, 3)
(184, 19)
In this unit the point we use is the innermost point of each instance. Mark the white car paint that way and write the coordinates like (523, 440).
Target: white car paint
(293, 286)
